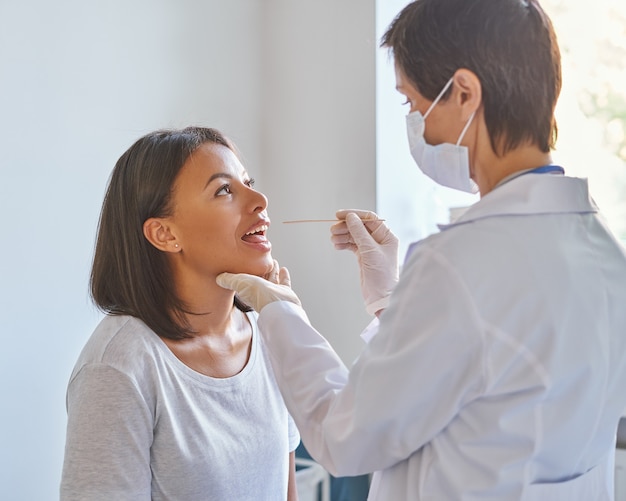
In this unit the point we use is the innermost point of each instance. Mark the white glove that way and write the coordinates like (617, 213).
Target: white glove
(258, 292)
(376, 248)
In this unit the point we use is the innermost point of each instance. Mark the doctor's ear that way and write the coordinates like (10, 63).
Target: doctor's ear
(159, 234)
(467, 91)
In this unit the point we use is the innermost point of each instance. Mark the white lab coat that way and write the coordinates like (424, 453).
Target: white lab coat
(499, 368)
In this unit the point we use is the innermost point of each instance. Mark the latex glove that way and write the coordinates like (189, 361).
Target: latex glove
(376, 248)
(258, 292)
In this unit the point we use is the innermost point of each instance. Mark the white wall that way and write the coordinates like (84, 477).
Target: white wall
(318, 147)
(292, 82)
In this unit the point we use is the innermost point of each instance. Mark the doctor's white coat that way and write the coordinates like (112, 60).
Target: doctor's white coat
(498, 370)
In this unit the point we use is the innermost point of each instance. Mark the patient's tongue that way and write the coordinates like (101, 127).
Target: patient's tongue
(254, 238)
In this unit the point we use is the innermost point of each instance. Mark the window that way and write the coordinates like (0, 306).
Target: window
(591, 112)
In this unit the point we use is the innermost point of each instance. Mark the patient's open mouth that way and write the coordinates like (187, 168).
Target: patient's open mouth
(256, 234)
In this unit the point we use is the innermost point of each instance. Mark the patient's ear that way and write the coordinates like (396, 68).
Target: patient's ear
(158, 232)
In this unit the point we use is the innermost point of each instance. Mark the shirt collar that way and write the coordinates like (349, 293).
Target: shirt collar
(531, 194)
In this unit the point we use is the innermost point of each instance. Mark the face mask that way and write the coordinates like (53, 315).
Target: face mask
(446, 164)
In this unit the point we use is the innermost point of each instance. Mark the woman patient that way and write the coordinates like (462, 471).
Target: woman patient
(173, 395)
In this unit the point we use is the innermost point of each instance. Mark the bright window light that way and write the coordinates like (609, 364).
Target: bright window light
(591, 115)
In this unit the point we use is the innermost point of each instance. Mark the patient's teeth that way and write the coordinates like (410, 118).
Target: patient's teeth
(260, 228)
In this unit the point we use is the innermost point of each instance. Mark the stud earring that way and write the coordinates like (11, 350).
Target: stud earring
(176, 245)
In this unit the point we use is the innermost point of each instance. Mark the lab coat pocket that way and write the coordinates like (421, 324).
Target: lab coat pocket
(593, 485)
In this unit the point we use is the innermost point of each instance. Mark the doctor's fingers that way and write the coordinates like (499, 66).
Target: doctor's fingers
(278, 275)
(369, 219)
(360, 234)
(339, 228)
(343, 241)
(340, 236)
(363, 214)
(284, 278)
(383, 235)
(273, 275)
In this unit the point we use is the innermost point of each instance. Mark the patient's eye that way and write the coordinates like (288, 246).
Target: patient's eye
(223, 190)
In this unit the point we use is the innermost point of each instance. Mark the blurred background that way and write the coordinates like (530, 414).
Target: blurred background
(305, 93)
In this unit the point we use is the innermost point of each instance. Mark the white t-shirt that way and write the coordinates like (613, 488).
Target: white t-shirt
(144, 426)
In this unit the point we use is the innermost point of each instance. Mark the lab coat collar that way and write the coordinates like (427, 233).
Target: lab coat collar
(531, 194)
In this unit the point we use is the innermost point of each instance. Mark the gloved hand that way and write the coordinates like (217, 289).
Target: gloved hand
(376, 248)
(258, 292)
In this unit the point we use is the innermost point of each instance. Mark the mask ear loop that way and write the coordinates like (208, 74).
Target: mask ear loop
(432, 105)
(469, 121)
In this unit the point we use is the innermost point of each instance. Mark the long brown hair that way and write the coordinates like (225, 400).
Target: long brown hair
(129, 276)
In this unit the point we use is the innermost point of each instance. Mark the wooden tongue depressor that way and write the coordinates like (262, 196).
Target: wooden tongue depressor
(323, 220)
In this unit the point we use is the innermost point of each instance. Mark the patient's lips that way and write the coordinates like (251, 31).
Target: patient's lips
(256, 236)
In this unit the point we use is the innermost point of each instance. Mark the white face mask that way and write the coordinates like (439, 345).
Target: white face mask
(447, 164)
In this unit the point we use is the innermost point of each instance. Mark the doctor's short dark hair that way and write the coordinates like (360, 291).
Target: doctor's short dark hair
(129, 276)
(510, 45)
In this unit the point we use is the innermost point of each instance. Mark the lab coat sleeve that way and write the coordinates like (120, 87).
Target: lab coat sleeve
(425, 363)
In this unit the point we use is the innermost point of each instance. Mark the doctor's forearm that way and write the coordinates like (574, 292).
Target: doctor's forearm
(314, 384)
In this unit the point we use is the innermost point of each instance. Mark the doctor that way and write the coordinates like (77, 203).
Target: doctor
(499, 367)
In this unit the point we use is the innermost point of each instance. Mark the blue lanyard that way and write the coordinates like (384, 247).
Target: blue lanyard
(546, 169)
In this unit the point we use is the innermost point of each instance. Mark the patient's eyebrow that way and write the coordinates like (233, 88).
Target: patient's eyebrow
(217, 176)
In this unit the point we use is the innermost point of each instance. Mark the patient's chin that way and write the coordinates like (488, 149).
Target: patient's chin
(260, 269)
